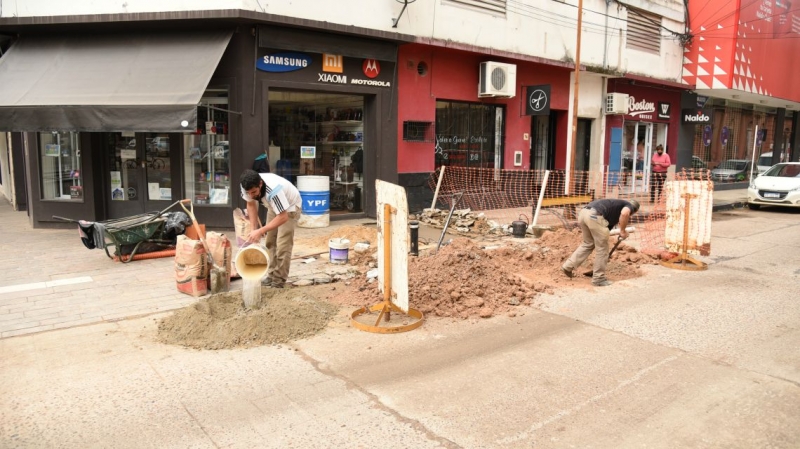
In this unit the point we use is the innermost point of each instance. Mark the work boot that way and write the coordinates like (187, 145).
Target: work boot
(567, 272)
(602, 283)
(277, 283)
(267, 281)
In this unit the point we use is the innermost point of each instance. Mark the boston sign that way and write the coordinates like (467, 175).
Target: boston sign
(642, 109)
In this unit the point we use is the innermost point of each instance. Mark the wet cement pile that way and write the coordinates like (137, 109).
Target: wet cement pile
(220, 321)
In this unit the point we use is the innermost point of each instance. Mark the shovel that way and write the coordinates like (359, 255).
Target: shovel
(217, 275)
(610, 253)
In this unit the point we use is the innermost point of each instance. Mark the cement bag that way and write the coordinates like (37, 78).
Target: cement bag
(191, 267)
(242, 226)
(221, 252)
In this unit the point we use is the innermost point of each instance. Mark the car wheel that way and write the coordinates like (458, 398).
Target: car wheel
(754, 206)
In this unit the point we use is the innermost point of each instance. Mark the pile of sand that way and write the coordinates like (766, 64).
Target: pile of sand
(221, 321)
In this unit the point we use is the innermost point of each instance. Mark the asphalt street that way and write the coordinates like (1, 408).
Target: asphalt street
(672, 359)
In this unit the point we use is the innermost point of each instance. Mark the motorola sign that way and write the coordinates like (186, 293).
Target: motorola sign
(700, 117)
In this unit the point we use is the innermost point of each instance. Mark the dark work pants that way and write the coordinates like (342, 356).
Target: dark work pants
(656, 185)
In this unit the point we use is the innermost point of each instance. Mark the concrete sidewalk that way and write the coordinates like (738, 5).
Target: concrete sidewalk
(51, 281)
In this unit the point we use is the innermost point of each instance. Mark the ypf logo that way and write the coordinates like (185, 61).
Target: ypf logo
(371, 68)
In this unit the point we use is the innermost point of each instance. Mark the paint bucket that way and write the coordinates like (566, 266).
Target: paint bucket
(316, 195)
(252, 262)
(339, 250)
(519, 227)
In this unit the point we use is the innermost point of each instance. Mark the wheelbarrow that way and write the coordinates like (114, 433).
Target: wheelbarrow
(127, 235)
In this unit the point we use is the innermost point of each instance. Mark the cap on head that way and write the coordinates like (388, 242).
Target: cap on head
(635, 205)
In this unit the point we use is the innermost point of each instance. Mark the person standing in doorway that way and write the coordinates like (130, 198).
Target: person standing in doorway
(658, 172)
(596, 221)
(283, 203)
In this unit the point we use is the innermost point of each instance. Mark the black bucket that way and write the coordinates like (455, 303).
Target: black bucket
(519, 227)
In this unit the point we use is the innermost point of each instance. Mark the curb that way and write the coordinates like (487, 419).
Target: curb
(729, 206)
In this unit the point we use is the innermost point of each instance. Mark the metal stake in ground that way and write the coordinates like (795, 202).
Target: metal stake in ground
(449, 216)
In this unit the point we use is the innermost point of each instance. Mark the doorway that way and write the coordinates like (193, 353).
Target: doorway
(640, 139)
(543, 145)
(583, 144)
(139, 172)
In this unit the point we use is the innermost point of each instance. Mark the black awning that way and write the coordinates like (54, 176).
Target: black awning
(116, 82)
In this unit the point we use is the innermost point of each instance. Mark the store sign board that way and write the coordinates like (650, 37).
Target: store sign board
(664, 110)
(698, 117)
(283, 62)
(324, 68)
(537, 100)
(643, 109)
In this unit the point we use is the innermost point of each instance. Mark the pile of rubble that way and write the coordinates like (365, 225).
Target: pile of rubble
(465, 222)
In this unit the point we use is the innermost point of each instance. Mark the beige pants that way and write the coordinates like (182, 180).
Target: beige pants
(595, 236)
(279, 247)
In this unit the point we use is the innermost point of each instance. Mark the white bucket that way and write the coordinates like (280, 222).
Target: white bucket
(252, 262)
(315, 192)
(339, 250)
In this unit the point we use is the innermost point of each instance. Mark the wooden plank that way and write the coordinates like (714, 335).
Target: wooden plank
(394, 195)
(566, 200)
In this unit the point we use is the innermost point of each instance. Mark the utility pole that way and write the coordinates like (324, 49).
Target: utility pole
(574, 148)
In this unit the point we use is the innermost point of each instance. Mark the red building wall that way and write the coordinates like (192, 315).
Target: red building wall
(453, 75)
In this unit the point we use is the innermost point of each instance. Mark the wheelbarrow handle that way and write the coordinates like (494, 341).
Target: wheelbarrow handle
(69, 220)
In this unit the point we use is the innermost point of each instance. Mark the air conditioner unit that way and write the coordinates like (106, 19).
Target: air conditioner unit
(616, 103)
(497, 79)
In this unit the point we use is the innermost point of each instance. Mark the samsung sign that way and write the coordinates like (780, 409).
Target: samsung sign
(698, 117)
(283, 62)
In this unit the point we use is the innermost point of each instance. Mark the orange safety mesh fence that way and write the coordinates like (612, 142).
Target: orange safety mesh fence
(553, 198)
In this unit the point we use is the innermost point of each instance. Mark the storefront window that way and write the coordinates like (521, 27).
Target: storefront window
(157, 163)
(60, 164)
(469, 134)
(319, 134)
(207, 158)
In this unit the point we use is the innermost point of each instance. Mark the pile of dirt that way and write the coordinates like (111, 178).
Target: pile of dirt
(221, 321)
(464, 279)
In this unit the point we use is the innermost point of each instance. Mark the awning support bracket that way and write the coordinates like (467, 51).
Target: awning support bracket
(219, 109)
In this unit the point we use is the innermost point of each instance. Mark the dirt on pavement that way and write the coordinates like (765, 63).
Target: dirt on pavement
(465, 279)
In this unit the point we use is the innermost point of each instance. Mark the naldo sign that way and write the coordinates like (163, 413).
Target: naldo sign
(698, 117)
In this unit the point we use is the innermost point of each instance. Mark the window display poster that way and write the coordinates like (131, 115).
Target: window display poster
(117, 194)
(153, 191)
(308, 152)
(219, 196)
(52, 149)
(127, 154)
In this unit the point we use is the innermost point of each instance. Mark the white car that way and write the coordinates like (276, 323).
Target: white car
(764, 162)
(778, 186)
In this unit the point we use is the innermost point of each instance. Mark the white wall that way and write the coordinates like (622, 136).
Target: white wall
(6, 183)
(545, 29)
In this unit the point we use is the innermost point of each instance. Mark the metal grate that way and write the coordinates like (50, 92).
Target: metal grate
(418, 131)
